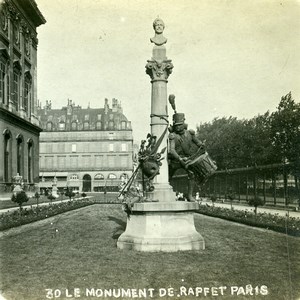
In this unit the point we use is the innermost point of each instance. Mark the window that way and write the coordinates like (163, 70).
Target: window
(99, 117)
(7, 156)
(74, 125)
(16, 87)
(49, 162)
(27, 93)
(74, 161)
(123, 125)
(111, 136)
(62, 126)
(98, 125)
(30, 161)
(123, 160)
(123, 147)
(74, 147)
(86, 125)
(111, 125)
(4, 77)
(2, 81)
(98, 161)
(99, 177)
(49, 126)
(111, 160)
(86, 117)
(86, 161)
(112, 176)
(61, 162)
(74, 177)
(111, 147)
(20, 155)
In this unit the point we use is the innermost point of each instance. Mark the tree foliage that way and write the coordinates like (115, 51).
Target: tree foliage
(20, 198)
(265, 139)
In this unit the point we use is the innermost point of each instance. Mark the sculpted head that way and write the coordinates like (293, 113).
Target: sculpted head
(158, 26)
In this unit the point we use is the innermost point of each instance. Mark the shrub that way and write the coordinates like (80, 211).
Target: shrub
(20, 198)
(256, 201)
(51, 198)
(13, 218)
(37, 197)
(213, 199)
(70, 194)
(283, 224)
(83, 195)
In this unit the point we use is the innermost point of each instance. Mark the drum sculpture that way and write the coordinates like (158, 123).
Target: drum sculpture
(187, 152)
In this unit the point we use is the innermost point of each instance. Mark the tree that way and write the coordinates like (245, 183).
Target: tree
(69, 193)
(51, 197)
(256, 201)
(20, 198)
(37, 197)
(285, 130)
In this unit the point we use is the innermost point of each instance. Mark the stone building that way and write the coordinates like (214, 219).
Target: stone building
(19, 124)
(87, 149)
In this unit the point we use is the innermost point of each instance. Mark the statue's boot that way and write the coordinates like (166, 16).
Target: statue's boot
(190, 191)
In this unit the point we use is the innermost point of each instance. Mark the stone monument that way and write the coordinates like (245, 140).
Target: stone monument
(54, 188)
(161, 223)
(17, 184)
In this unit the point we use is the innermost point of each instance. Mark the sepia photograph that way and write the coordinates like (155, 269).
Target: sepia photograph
(149, 149)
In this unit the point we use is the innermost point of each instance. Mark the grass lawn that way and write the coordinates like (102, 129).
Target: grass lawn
(77, 249)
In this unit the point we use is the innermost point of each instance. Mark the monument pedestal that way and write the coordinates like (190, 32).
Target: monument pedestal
(162, 226)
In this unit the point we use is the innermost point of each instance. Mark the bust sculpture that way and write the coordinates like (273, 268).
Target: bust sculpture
(158, 26)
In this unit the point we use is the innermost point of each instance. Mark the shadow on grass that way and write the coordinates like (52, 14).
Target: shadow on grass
(120, 229)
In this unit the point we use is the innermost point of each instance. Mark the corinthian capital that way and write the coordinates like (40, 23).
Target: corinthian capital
(159, 70)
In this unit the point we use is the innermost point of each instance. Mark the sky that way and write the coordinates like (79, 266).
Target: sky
(231, 58)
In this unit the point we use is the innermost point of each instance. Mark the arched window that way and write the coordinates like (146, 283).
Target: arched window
(123, 125)
(30, 160)
(7, 155)
(62, 125)
(49, 126)
(111, 125)
(74, 125)
(86, 125)
(98, 125)
(20, 155)
(112, 176)
(99, 177)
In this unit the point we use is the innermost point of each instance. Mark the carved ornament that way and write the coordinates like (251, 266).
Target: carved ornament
(159, 70)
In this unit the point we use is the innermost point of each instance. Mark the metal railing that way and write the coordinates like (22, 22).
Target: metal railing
(277, 184)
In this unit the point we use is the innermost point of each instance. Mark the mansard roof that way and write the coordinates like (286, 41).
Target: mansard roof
(71, 113)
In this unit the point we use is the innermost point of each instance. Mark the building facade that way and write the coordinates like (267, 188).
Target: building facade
(19, 123)
(87, 150)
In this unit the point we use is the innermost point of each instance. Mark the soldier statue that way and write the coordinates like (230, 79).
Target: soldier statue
(183, 144)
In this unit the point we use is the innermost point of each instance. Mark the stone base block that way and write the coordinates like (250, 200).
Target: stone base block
(167, 227)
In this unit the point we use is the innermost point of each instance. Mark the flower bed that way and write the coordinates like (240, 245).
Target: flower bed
(28, 215)
(288, 225)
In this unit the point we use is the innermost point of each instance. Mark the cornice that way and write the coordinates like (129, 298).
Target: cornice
(14, 119)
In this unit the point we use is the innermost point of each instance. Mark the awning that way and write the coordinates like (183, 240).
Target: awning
(99, 183)
(53, 174)
(114, 182)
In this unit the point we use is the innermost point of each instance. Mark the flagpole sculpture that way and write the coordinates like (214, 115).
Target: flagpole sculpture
(160, 223)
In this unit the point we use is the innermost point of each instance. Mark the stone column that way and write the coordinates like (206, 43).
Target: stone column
(159, 68)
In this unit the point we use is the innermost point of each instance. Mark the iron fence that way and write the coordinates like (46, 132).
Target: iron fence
(277, 184)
